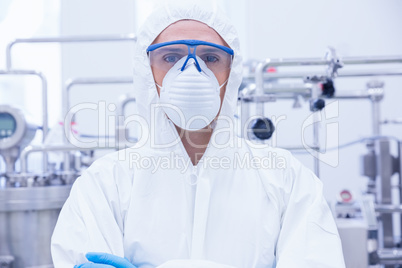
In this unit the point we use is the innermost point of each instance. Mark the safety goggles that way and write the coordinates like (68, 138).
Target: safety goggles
(217, 58)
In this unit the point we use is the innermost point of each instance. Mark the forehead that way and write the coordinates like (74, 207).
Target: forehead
(189, 29)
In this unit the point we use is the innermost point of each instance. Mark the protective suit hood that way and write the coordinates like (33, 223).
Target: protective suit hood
(144, 85)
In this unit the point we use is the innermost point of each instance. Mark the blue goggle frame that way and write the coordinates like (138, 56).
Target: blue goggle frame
(191, 43)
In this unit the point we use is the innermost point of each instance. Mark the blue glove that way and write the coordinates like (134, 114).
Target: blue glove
(104, 260)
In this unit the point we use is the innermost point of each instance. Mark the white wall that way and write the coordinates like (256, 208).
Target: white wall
(96, 60)
(30, 19)
(287, 29)
(267, 28)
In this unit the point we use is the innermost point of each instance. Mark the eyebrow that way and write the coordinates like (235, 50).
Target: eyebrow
(166, 50)
(210, 50)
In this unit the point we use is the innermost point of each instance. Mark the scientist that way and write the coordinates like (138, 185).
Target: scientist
(190, 193)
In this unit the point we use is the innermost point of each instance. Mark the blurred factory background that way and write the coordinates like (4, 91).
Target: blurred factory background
(363, 124)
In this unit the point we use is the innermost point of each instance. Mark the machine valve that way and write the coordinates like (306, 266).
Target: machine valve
(328, 88)
(317, 105)
(263, 128)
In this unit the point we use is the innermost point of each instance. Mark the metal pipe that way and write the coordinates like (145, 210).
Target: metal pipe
(375, 89)
(123, 101)
(259, 83)
(244, 118)
(259, 71)
(85, 81)
(43, 148)
(45, 120)
(285, 91)
(388, 208)
(316, 139)
(376, 118)
(259, 79)
(89, 81)
(392, 121)
(50, 148)
(319, 61)
(341, 74)
(282, 91)
(344, 94)
(121, 130)
(399, 171)
(351, 94)
(245, 109)
(67, 39)
(359, 95)
(345, 74)
(391, 256)
(372, 60)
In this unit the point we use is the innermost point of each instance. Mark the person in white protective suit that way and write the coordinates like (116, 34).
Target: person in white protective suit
(190, 193)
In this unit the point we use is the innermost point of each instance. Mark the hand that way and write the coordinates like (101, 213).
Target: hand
(105, 260)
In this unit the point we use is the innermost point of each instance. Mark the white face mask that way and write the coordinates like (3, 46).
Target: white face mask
(190, 98)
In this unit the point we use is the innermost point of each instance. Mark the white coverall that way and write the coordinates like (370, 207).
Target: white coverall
(241, 206)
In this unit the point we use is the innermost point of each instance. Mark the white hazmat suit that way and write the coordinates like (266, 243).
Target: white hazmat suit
(240, 206)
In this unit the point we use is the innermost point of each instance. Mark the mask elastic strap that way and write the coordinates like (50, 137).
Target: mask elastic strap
(223, 83)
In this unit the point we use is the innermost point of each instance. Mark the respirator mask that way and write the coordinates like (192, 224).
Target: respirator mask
(190, 91)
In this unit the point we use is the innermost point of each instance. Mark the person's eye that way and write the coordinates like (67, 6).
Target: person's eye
(171, 58)
(211, 59)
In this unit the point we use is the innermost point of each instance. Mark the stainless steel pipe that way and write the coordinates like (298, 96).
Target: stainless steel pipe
(89, 81)
(388, 208)
(123, 101)
(49, 148)
(391, 256)
(85, 81)
(67, 39)
(341, 74)
(259, 71)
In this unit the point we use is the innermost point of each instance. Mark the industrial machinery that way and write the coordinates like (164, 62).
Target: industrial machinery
(369, 228)
(30, 202)
(15, 133)
(20, 201)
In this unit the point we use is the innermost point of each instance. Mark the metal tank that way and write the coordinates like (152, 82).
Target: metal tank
(29, 204)
(28, 216)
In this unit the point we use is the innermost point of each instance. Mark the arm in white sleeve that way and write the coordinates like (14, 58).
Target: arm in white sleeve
(309, 236)
(91, 219)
